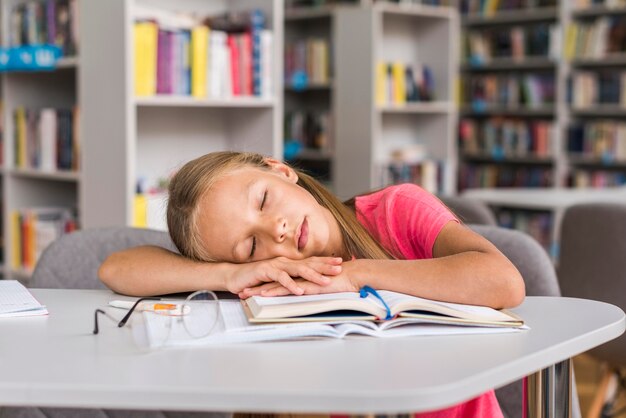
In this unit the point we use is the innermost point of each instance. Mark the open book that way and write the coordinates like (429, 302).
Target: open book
(397, 308)
(333, 316)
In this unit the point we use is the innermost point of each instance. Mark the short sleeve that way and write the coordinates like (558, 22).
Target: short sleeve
(405, 219)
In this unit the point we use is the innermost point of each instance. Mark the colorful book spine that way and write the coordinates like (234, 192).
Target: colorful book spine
(199, 45)
(145, 46)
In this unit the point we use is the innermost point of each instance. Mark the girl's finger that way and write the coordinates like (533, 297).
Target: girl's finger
(285, 279)
(312, 275)
(276, 291)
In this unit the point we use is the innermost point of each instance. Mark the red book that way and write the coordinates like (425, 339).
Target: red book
(246, 63)
(234, 64)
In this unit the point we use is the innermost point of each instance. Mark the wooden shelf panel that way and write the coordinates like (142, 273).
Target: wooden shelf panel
(597, 11)
(489, 159)
(187, 101)
(418, 107)
(304, 13)
(509, 64)
(512, 16)
(545, 111)
(417, 10)
(45, 175)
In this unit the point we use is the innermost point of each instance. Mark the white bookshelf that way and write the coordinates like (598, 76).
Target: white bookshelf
(28, 187)
(367, 133)
(150, 137)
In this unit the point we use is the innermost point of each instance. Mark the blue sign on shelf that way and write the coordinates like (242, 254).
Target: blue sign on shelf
(29, 58)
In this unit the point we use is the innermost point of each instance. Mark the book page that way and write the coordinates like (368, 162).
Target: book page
(16, 300)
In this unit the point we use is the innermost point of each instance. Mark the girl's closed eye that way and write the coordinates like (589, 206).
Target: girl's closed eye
(253, 247)
(263, 199)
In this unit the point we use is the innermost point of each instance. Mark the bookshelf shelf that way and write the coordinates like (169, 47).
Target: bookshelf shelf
(578, 160)
(314, 155)
(418, 108)
(310, 87)
(547, 112)
(600, 111)
(507, 64)
(307, 13)
(598, 11)
(186, 101)
(516, 16)
(70, 176)
(608, 60)
(489, 159)
(68, 63)
(416, 10)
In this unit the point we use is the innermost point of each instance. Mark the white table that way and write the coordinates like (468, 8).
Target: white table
(56, 361)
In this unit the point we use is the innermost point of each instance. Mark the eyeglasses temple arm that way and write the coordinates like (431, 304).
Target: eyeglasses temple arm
(132, 309)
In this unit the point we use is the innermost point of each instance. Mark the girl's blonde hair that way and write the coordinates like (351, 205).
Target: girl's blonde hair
(199, 175)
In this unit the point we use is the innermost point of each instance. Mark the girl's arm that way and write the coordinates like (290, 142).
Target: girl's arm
(466, 268)
(150, 270)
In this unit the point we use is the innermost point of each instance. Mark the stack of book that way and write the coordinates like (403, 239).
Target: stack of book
(216, 57)
(308, 58)
(584, 4)
(46, 139)
(33, 229)
(501, 138)
(596, 178)
(398, 83)
(516, 43)
(483, 92)
(412, 164)
(53, 22)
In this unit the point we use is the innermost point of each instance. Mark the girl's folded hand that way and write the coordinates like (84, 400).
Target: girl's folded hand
(282, 270)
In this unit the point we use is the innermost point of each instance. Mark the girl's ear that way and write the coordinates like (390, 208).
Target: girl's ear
(282, 169)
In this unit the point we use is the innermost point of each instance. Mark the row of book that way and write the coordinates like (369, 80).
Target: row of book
(46, 139)
(603, 141)
(501, 138)
(589, 88)
(219, 57)
(311, 130)
(537, 224)
(596, 39)
(33, 229)
(492, 7)
(513, 91)
(597, 179)
(307, 61)
(517, 43)
(38, 22)
(492, 175)
(398, 83)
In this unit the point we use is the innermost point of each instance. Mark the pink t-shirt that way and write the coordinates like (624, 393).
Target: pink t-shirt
(406, 220)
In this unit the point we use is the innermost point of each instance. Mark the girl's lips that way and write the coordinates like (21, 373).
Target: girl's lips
(304, 234)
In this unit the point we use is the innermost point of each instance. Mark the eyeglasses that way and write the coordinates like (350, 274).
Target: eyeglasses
(169, 320)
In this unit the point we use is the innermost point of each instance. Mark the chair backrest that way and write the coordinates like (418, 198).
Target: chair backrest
(469, 211)
(540, 279)
(73, 260)
(592, 262)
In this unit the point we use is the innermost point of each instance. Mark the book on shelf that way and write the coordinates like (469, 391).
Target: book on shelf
(517, 43)
(53, 22)
(599, 141)
(586, 89)
(501, 138)
(412, 164)
(307, 61)
(218, 56)
(531, 91)
(597, 178)
(33, 229)
(46, 139)
(597, 39)
(311, 130)
(333, 316)
(489, 175)
(398, 83)
(537, 224)
(585, 4)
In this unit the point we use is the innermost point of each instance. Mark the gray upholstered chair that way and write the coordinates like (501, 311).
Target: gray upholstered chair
(539, 275)
(72, 262)
(469, 211)
(592, 265)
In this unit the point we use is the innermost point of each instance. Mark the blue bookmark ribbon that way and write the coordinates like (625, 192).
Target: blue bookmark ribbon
(367, 290)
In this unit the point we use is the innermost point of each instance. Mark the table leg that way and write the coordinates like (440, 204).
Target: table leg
(548, 392)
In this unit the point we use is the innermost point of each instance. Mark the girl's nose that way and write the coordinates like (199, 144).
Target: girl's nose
(280, 232)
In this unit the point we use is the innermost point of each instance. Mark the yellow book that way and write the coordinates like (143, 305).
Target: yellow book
(381, 83)
(16, 240)
(140, 211)
(199, 55)
(20, 137)
(399, 83)
(32, 240)
(146, 37)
